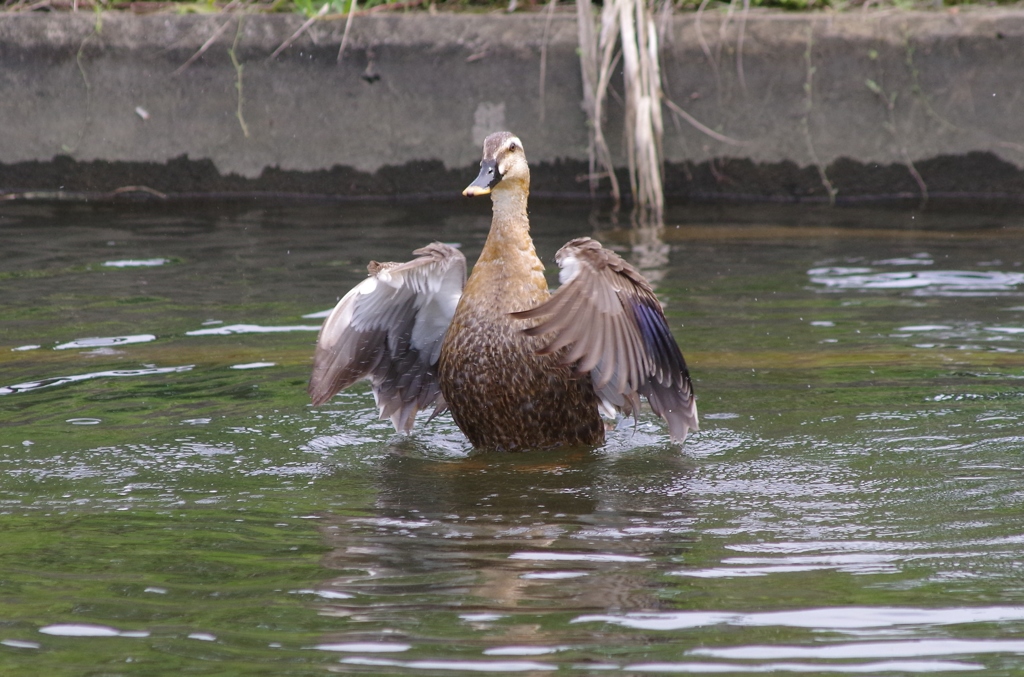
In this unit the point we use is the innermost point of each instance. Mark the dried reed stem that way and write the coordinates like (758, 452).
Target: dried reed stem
(628, 25)
(202, 50)
(348, 26)
(644, 124)
(297, 34)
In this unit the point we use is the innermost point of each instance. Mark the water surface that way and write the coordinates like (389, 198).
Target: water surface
(171, 504)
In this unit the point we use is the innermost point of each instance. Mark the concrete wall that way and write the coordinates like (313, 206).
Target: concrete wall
(873, 104)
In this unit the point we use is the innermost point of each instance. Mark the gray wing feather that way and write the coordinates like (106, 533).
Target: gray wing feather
(388, 329)
(608, 321)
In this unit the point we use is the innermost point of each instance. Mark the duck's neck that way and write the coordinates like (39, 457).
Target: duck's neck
(510, 226)
(508, 271)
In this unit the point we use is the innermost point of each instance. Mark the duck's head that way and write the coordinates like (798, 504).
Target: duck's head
(503, 165)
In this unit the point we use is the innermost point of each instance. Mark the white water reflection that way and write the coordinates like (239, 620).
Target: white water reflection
(481, 617)
(254, 365)
(906, 649)
(105, 341)
(522, 650)
(249, 329)
(136, 263)
(20, 644)
(89, 630)
(203, 636)
(575, 557)
(455, 666)
(916, 260)
(324, 594)
(365, 647)
(944, 282)
(64, 380)
(862, 668)
(742, 567)
(836, 619)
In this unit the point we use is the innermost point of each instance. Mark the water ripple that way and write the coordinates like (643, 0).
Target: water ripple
(871, 668)
(227, 330)
(365, 647)
(945, 282)
(29, 386)
(838, 618)
(254, 365)
(909, 649)
(89, 630)
(575, 557)
(20, 644)
(136, 263)
(760, 566)
(105, 341)
(455, 666)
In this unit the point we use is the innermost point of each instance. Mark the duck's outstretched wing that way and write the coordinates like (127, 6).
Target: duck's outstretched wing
(388, 329)
(609, 322)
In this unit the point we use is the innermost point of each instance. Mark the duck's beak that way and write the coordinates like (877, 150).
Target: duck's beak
(487, 179)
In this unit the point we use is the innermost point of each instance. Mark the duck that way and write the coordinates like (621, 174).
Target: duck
(519, 367)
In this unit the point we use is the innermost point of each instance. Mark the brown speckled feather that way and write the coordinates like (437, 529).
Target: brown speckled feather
(607, 321)
(506, 396)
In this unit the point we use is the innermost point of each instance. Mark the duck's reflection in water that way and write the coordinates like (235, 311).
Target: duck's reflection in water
(528, 534)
